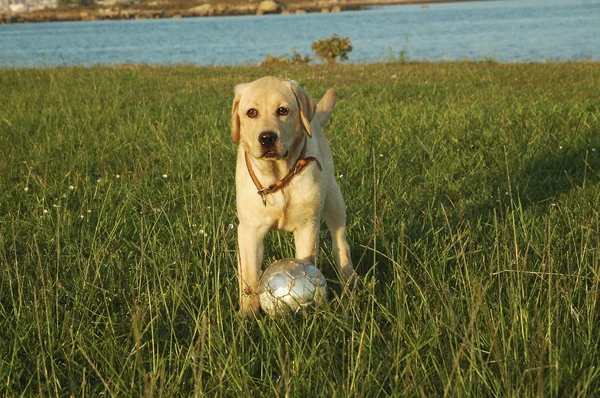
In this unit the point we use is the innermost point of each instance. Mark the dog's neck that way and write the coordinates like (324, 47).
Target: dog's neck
(274, 174)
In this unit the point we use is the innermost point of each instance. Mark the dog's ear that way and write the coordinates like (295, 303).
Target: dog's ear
(235, 118)
(306, 105)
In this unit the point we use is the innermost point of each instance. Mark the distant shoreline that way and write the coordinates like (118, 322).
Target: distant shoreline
(115, 10)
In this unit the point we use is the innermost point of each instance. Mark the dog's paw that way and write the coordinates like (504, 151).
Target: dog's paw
(249, 306)
(349, 277)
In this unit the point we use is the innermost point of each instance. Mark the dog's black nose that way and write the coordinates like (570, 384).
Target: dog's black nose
(267, 139)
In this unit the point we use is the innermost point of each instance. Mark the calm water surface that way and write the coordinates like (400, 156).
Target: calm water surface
(508, 31)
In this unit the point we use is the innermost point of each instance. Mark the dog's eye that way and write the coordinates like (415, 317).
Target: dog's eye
(282, 111)
(252, 113)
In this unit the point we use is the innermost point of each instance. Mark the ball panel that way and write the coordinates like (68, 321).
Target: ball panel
(302, 289)
(279, 284)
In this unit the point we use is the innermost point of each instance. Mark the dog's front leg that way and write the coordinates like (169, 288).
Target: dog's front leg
(251, 248)
(306, 239)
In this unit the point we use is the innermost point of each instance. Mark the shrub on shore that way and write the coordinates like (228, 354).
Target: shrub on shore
(295, 59)
(332, 49)
(327, 50)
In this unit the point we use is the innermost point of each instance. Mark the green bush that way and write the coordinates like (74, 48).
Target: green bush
(332, 48)
(296, 59)
(327, 50)
(273, 60)
(299, 59)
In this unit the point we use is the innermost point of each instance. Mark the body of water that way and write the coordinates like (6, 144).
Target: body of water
(507, 31)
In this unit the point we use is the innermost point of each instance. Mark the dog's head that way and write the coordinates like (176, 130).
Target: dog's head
(269, 117)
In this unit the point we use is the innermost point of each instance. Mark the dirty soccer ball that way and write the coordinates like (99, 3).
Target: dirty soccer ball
(289, 285)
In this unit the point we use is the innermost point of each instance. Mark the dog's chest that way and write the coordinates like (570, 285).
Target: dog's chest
(293, 207)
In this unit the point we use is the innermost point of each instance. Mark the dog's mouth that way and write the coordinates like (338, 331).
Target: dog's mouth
(272, 154)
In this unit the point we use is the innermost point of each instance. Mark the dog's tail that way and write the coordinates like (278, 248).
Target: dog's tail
(325, 107)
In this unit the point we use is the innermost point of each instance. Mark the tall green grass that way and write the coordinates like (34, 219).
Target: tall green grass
(473, 197)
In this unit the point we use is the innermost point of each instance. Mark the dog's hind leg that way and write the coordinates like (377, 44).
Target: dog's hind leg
(334, 214)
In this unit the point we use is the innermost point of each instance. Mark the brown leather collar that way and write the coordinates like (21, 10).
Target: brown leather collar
(298, 166)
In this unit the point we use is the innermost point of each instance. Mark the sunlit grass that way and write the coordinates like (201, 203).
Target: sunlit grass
(473, 197)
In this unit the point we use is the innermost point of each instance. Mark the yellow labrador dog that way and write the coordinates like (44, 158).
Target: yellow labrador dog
(284, 177)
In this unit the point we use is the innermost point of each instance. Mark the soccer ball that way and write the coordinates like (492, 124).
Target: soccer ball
(289, 285)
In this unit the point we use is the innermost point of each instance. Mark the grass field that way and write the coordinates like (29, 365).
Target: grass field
(473, 196)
